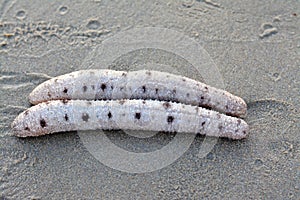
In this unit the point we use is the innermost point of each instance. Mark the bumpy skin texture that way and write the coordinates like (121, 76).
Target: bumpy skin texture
(143, 84)
(68, 115)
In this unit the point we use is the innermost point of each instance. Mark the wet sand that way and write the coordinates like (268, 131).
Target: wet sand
(255, 46)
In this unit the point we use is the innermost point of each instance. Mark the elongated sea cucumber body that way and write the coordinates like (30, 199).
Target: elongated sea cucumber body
(69, 115)
(143, 84)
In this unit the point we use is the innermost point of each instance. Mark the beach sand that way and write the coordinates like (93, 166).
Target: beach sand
(255, 46)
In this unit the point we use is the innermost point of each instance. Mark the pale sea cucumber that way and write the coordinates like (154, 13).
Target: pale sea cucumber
(69, 115)
(109, 84)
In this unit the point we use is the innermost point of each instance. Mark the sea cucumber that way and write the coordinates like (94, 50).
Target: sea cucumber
(68, 115)
(143, 84)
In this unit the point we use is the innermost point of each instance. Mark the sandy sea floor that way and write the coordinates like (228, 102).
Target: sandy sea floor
(254, 45)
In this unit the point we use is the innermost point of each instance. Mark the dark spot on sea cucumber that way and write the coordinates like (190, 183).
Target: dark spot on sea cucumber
(121, 88)
(43, 123)
(138, 115)
(85, 117)
(206, 88)
(174, 91)
(109, 115)
(183, 80)
(112, 87)
(203, 123)
(55, 80)
(122, 101)
(244, 132)
(49, 94)
(88, 103)
(84, 88)
(103, 86)
(170, 119)
(93, 87)
(144, 102)
(187, 94)
(27, 128)
(26, 112)
(66, 117)
(239, 122)
(168, 76)
(64, 101)
(220, 127)
(166, 105)
(202, 97)
(144, 88)
(197, 109)
(124, 74)
(148, 73)
(65, 90)
(218, 116)
(156, 90)
(226, 107)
